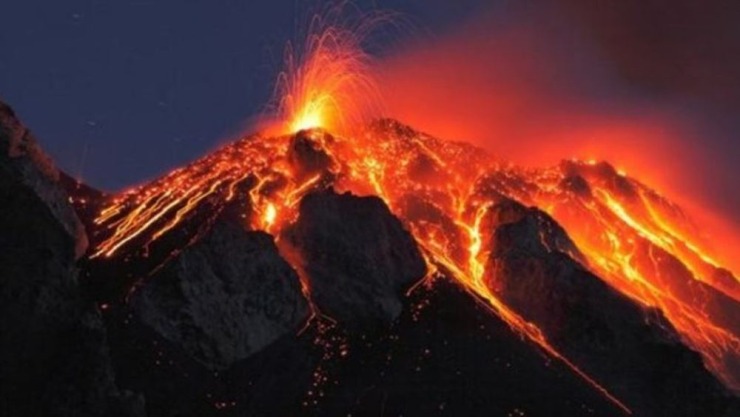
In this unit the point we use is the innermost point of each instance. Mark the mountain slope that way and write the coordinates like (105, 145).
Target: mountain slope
(393, 273)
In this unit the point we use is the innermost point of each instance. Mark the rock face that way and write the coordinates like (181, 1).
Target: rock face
(633, 352)
(25, 163)
(53, 354)
(223, 298)
(357, 254)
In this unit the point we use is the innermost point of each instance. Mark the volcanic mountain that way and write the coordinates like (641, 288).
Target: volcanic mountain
(382, 272)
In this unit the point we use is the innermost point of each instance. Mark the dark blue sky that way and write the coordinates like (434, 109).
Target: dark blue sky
(120, 91)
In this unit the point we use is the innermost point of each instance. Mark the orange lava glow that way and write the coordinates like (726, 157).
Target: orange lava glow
(633, 238)
(327, 82)
(647, 248)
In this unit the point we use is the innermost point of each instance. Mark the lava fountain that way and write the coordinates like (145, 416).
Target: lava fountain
(328, 81)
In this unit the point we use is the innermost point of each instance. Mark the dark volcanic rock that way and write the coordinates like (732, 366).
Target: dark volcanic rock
(446, 356)
(306, 155)
(27, 165)
(634, 353)
(443, 356)
(53, 355)
(225, 297)
(357, 254)
(86, 201)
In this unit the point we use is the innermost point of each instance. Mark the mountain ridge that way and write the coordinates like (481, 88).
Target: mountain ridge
(408, 257)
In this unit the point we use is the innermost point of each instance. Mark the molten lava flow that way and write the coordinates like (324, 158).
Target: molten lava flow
(637, 242)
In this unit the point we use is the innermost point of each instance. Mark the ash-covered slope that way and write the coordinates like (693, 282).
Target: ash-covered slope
(393, 273)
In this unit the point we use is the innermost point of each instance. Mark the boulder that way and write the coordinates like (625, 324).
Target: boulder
(223, 298)
(357, 255)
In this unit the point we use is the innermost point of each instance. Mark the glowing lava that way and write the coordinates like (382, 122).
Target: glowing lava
(328, 82)
(636, 241)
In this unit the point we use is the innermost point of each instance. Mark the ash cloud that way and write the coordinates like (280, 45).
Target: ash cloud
(649, 85)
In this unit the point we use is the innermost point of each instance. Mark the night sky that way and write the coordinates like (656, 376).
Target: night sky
(119, 92)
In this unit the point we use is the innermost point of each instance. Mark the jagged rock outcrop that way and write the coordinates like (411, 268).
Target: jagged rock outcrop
(53, 355)
(358, 256)
(223, 298)
(632, 351)
(25, 163)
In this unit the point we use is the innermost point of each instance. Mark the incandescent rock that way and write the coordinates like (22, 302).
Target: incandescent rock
(635, 353)
(225, 297)
(357, 254)
(54, 359)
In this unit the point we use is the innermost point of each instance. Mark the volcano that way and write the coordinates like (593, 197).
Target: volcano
(383, 272)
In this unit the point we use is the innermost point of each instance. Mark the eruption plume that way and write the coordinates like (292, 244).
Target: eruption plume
(328, 81)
